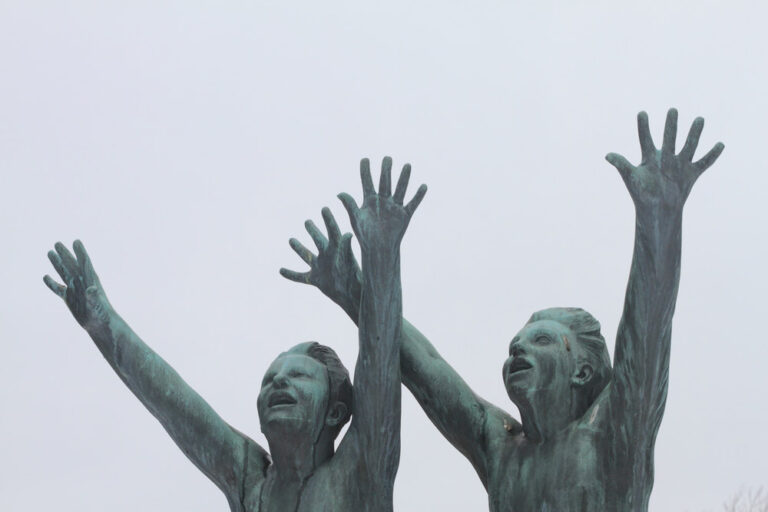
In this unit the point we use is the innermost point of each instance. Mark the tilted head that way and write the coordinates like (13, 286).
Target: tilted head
(306, 389)
(560, 350)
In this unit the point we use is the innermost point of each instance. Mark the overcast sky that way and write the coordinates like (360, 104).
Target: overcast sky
(184, 143)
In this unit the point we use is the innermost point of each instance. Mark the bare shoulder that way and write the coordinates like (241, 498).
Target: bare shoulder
(598, 415)
(352, 471)
(348, 458)
(499, 424)
(254, 466)
(498, 430)
(497, 418)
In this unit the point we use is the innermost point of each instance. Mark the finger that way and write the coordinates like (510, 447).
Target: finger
(707, 160)
(385, 180)
(84, 261)
(670, 134)
(402, 184)
(69, 261)
(414, 203)
(58, 289)
(299, 277)
(692, 141)
(348, 203)
(646, 141)
(80, 253)
(365, 177)
(304, 253)
(619, 162)
(334, 233)
(317, 236)
(59, 266)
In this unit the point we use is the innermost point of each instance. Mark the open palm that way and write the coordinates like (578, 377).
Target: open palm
(664, 179)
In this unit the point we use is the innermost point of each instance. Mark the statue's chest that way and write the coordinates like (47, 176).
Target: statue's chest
(563, 475)
(319, 494)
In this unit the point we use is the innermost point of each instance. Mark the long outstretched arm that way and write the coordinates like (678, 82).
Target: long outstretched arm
(466, 420)
(659, 187)
(208, 441)
(380, 224)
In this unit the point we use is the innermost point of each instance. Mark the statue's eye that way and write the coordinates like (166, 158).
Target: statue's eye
(298, 374)
(267, 379)
(543, 340)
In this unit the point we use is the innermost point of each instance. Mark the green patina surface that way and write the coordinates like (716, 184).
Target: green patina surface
(587, 432)
(306, 395)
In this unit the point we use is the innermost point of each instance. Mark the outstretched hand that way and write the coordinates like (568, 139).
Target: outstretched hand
(334, 270)
(382, 220)
(663, 179)
(82, 291)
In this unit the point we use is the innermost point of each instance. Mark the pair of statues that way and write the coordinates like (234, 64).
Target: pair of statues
(587, 431)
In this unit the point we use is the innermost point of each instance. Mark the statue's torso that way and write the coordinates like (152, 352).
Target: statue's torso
(330, 489)
(557, 476)
(586, 468)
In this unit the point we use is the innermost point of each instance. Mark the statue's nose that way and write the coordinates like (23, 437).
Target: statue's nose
(516, 349)
(280, 380)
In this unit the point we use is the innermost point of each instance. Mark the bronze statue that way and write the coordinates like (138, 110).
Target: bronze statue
(587, 434)
(306, 395)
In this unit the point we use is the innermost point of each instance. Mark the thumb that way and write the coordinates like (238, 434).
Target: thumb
(349, 204)
(622, 165)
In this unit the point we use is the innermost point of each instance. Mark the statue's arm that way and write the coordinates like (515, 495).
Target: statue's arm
(380, 224)
(659, 187)
(217, 449)
(466, 420)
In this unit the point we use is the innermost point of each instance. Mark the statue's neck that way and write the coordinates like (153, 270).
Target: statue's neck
(544, 413)
(295, 458)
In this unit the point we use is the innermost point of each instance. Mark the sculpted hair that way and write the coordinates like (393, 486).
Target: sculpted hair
(339, 383)
(590, 341)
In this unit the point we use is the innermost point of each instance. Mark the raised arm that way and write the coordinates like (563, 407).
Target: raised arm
(208, 441)
(379, 224)
(466, 420)
(659, 187)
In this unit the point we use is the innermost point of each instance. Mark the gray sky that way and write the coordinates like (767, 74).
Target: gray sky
(185, 143)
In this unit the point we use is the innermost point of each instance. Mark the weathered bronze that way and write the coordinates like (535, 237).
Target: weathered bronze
(306, 396)
(587, 434)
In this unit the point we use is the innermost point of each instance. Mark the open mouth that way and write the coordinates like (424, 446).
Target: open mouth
(518, 365)
(280, 398)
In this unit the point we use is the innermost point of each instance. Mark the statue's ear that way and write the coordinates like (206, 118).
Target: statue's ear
(337, 413)
(583, 375)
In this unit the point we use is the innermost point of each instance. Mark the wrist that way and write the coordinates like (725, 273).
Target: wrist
(100, 317)
(659, 227)
(659, 212)
(350, 306)
(384, 243)
(380, 258)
